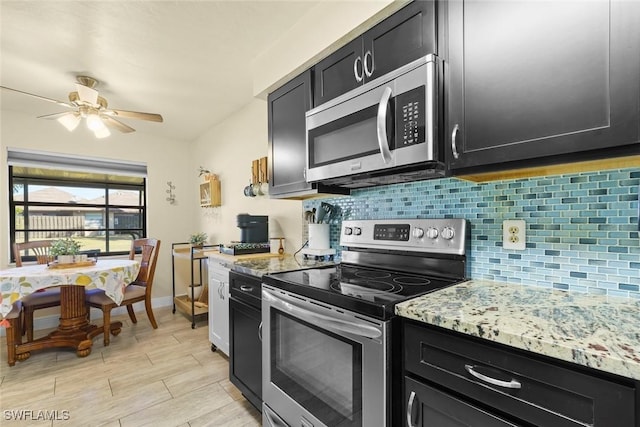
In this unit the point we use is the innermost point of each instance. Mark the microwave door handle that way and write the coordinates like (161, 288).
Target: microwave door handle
(432, 98)
(383, 141)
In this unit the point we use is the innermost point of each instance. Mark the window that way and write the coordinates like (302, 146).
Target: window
(100, 209)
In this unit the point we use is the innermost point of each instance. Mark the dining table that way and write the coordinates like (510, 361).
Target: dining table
(74, 329)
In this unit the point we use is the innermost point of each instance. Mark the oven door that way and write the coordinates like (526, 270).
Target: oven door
(387, 123)
(322, 366)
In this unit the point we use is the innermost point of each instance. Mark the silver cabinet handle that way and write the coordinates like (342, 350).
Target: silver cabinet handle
(454, 148)
(506, 384)
(355, 69)
(412, 398)
(383, 142)
(368, 72)
(260, 331)
(245, 288)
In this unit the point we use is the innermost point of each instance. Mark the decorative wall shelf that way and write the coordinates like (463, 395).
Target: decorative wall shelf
(210, 194)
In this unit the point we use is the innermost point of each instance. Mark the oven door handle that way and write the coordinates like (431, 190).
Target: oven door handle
(381, 125)
(270, 418)
(336, 325)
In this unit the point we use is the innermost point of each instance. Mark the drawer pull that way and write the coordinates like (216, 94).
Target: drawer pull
(410, 417)
(506, 384)
(245, 288)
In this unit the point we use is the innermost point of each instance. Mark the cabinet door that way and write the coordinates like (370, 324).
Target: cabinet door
(426, 406)
(407, 35)
(287, 136)
(245, 362)
(338, 73)
(532, 79)
(219, 308)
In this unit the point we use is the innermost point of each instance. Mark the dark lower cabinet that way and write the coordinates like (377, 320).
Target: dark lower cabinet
(451, 376)
(540, 82)
(429, 407)
(245, 345)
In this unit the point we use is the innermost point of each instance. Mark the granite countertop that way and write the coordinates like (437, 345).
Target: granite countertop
(597, 331)
(260, 264)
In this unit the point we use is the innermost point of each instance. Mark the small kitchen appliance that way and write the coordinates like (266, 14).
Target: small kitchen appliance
(393, 126)
(254, 236)
(327, 333)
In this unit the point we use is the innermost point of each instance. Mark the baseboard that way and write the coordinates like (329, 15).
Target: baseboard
(47, 322)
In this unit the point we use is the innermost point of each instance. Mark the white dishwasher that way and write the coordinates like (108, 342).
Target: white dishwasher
(218, 305)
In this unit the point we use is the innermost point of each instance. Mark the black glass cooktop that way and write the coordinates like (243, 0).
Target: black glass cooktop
(369, 291)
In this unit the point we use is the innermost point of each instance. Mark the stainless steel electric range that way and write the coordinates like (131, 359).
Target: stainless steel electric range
(327, 333)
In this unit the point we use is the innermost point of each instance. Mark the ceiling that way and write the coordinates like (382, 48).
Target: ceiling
(190, 61)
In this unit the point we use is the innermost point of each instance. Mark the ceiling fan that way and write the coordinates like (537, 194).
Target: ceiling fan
(85, 103)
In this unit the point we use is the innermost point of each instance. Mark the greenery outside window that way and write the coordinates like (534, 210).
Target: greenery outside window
(103, 211)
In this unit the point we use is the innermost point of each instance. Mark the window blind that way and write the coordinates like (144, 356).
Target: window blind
(47, 160)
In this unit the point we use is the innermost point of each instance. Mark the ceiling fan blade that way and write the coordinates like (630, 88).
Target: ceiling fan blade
(116, 124)
(56, 116)
(152, 117)
(87, 94)
(55, 101)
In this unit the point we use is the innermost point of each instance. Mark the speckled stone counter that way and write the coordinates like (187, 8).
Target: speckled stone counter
(592, 330)
(261, 264)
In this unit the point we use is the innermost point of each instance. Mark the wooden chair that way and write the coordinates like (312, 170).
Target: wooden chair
(13, 332)
(45, 298)
(138, 290)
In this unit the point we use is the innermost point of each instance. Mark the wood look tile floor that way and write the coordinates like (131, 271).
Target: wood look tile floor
(162, 377)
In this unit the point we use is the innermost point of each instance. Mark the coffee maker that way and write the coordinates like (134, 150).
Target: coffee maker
(254, 236)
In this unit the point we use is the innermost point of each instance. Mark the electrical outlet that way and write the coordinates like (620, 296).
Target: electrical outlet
(514, 234)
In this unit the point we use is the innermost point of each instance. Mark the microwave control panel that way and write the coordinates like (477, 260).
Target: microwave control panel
(410, 117)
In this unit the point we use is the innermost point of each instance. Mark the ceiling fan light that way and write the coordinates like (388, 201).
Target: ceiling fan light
(102, 132)
(94, 122)
(69, 121)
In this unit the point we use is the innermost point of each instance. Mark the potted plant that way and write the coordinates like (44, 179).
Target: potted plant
(198, 239)
(65, 250)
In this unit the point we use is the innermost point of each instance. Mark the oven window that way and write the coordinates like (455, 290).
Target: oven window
(346, 138)
(318, 369)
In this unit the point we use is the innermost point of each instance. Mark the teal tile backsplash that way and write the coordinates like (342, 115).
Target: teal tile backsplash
(582, 229)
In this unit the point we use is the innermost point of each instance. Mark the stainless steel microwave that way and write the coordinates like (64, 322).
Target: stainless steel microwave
(386, 131)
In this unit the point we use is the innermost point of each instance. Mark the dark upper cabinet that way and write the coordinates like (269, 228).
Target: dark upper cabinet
(401, 38)
(532, 80)
(287, 140)
(286, 126)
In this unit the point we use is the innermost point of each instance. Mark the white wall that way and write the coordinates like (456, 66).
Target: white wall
(324, 29)
(227, 150)
(167, 160)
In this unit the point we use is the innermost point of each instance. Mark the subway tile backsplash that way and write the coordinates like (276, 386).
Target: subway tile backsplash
(582, 229)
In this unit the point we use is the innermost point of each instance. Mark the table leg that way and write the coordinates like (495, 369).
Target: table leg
(74, 329)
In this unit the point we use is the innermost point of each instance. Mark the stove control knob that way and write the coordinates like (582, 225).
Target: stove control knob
(432, 233)
(357, 231)
(418, 232)
(348, 231)
(448, 233)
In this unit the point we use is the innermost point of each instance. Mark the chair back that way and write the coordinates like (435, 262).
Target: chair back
(41, 249)
(149, 249)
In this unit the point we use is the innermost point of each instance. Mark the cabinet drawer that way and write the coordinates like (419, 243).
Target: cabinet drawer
(246, 288)
(426, 406)
(533, 390)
